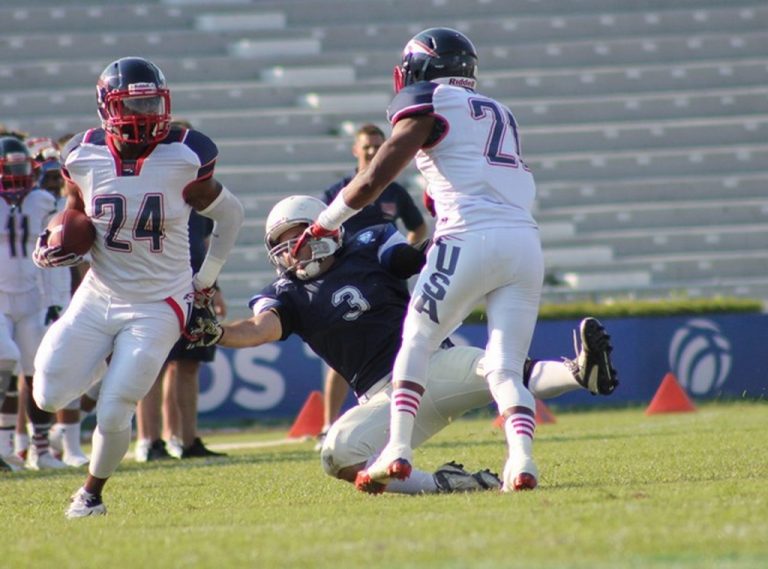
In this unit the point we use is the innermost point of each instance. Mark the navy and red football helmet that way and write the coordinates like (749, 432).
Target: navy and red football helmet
(134, 101)
(16, 169)
(441, 54)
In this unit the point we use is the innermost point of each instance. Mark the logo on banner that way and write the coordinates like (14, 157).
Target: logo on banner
(700, 356)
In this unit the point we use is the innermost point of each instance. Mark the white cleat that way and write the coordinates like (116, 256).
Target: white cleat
(520, 473)
(43, 461)
(141, 450)
(175, 447)
(75, 459)
(392, 463)
(14, 462)
(84, 504)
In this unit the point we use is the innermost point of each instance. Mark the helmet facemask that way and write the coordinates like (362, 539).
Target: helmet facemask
(16, 175)
(290, 213)
(132, 119)
(307, 269)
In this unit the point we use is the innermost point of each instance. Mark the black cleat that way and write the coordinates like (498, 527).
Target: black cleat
(592, 367)
(197, 449)
(157, 451)
(451, 477)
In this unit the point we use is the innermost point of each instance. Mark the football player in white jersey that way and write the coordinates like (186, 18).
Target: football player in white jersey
(486, 248)
(137, 179)
(24, 212)
(65, 432)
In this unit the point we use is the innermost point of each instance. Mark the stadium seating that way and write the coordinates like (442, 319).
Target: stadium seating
(645, 123)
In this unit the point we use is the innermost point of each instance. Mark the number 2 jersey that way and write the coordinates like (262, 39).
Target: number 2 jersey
(472, 162)
(351, 315)
(141, 253)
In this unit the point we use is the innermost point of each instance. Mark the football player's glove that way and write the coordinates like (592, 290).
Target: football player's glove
(204, 298)
(203, 328)
(46, 257)
(203, 332)
(52, 314)
(314, 231)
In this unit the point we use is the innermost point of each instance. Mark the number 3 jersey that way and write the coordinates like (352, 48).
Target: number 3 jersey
(141, 253)
(352, 315)
(472, 162)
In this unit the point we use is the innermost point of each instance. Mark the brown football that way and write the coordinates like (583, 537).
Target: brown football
(71, 230)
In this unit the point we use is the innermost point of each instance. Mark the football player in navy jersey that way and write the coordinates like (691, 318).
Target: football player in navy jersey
(347, 302)
(486, 248)
(394, 203)
(137, 179)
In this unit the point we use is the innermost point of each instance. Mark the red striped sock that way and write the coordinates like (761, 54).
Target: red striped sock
(404, 407)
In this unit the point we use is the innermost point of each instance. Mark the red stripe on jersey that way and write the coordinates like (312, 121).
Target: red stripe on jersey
(178, 311)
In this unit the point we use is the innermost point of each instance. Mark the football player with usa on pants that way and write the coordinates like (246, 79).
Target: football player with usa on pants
(394, 203)
(137, 179)
(347, 302)
(487, 247)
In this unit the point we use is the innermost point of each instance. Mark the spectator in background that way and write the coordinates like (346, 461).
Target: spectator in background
(394, 203)
(176, 389)
(169, 410)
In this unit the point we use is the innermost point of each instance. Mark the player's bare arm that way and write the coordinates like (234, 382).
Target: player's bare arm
(247, 333)
(260, 329)
(408, 136)
(201, 193)
(74, 196)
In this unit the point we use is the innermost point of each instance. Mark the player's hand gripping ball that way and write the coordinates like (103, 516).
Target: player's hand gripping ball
(69, 235)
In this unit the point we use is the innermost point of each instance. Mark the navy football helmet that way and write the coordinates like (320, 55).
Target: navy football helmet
(134, 101)
(16, 169)
(440, 54)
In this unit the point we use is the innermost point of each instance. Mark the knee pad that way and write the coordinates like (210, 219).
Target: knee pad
(47, 396)
(114, 414)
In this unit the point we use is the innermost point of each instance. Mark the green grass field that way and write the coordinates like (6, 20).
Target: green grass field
(617, 489)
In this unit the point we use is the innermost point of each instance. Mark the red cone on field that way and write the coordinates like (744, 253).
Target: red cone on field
(309, 421)
(670, 398)
(543, 415)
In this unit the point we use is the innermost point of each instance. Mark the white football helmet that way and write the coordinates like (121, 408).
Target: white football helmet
(286, 214)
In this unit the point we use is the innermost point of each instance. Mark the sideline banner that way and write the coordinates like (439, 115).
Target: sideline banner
(711, 355)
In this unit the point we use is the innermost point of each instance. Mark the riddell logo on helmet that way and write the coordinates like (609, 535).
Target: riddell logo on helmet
(461, 82)
(134, 88)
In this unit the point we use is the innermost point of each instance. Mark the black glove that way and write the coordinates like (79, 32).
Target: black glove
(52, 314)
(203, 332)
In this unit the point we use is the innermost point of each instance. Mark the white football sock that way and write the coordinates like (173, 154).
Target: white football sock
(550, 379)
